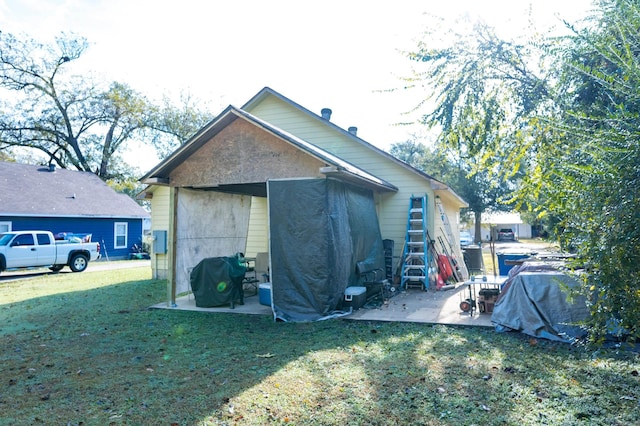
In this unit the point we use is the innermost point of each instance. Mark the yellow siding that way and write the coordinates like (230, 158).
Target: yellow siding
(392, 207)
(160, 222)
(258, 235)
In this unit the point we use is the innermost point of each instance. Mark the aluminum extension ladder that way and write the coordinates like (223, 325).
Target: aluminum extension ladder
(415, 256)
(450, 240)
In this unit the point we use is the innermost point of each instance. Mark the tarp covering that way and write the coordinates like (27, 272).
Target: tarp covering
(536, 304)
(217, 281)
(319, 230)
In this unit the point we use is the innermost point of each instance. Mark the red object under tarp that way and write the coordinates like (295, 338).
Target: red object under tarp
(444, 267)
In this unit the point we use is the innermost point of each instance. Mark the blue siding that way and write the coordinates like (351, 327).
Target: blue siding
(102, 230)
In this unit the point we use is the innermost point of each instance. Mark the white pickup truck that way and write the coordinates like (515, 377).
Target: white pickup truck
(30, 249)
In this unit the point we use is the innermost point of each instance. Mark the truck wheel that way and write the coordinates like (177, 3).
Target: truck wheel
(56, 268)
(79, 263)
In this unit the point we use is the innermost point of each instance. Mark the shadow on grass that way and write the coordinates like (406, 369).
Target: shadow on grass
(100, 356)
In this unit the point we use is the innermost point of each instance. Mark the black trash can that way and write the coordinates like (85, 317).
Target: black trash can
(473, 259)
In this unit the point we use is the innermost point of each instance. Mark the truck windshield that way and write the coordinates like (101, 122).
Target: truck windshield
(5, 238)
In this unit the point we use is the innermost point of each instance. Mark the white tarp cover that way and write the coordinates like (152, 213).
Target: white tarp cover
(536, 304)
(209, 224)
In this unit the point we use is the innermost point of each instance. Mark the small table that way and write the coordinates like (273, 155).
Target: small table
(483, 281)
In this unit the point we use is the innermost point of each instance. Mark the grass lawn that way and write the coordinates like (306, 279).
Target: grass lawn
(85, 349)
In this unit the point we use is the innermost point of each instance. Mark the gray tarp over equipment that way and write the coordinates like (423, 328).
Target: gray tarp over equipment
(319, 230)
(217, 281)
(536, 304)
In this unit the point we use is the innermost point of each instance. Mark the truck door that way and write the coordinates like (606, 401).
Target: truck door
(46, 249)
(21, 252)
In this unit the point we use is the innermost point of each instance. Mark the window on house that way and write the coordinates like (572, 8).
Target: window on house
(5, 227)
(120, 234)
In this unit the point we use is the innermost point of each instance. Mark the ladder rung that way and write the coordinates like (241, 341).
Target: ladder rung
(412, 266)
(413, 277)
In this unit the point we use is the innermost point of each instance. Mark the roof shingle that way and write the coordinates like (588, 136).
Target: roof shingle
(27, 190)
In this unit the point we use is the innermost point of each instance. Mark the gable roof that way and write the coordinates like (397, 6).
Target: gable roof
(336, 167)
(435, 183)
(27, 190)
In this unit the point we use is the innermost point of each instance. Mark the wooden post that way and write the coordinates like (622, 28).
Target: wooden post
(173, 227)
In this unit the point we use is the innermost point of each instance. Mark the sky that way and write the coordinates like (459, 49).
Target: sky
(338, 54)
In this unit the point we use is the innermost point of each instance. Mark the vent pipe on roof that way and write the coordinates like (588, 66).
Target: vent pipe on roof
(326, 113)
(353, 130)
(52, 167)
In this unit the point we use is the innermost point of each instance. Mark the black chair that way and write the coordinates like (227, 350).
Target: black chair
(373, 279)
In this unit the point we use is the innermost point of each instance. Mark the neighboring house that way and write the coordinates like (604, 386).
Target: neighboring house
(250, 181)
(493, 222)
(65, 201)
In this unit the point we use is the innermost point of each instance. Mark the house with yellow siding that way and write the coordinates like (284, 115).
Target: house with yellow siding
(214, 195)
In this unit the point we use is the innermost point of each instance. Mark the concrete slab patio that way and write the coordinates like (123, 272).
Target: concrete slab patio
(413, 305)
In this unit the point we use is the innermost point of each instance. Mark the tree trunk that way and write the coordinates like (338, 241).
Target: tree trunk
(478, 227)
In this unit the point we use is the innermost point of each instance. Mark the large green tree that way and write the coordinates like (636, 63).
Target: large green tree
(565, 110)
(482, 190)
(481, 94)
(78, 121)
(590, 174)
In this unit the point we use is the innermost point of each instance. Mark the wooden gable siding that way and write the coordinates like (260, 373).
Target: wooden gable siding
(392, 207)
(244, 153)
